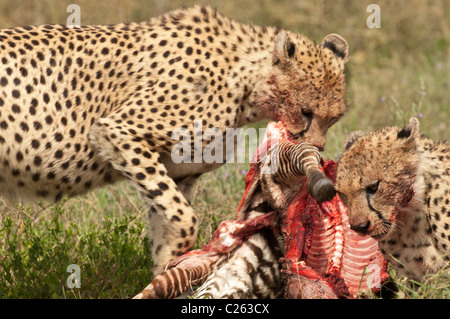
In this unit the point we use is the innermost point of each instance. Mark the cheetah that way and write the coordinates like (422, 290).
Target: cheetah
(83, 107)
(396, 184)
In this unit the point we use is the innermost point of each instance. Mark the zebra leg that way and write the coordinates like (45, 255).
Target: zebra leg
(298, 160)
(185, 271)
(320, 187)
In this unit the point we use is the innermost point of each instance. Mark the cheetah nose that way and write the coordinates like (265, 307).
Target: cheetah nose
(361, 227)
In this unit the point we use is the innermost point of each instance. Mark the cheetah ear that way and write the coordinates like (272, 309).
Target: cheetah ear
(283, 50)
(410, 130)
(338, 45)
(352, 138)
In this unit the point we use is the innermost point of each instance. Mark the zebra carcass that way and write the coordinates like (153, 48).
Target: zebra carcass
(290, 239)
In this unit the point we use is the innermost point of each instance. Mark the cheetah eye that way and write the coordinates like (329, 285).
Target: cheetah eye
(308, 115)
(372, 189)
(333, 120)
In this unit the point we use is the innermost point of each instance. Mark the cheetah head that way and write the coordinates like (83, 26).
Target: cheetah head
(376, 178)
(305, 88)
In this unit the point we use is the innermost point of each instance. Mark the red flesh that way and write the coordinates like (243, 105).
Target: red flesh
(320, 235)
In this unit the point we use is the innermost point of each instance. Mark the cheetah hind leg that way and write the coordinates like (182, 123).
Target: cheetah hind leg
(173, 224)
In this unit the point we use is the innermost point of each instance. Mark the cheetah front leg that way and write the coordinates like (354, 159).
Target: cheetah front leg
(173, 224)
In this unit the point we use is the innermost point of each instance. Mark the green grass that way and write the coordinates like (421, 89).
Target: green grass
(113, 254)
(395, 72)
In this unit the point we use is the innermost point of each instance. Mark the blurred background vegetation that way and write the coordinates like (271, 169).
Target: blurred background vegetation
(397, 71)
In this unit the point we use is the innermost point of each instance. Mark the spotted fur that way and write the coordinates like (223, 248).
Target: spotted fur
(82, 107)
(396, 184)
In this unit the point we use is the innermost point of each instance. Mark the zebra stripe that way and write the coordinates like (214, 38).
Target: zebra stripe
(251, 271)
(294, 160)
(176, 280)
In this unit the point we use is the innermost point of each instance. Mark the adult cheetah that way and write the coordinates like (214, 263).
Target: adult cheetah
(396, 184)
(81, 107)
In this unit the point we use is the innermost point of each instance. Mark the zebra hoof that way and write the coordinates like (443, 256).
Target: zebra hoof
(322, 189)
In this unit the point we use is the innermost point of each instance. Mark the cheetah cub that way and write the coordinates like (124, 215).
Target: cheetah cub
(396, 185)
